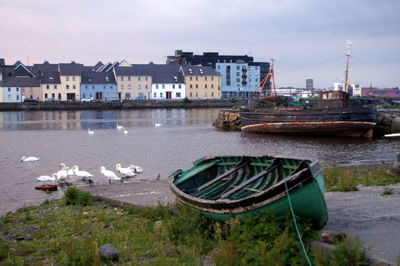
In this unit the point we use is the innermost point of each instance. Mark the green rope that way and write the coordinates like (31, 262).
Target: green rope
(295, 224)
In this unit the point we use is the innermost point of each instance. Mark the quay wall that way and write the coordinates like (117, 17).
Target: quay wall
(115, 105)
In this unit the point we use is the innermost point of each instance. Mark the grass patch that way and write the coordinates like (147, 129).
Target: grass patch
(348, 178)
(387, 191)
(67, 234)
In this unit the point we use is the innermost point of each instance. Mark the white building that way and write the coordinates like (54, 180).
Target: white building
(168, 82)
(354, 89)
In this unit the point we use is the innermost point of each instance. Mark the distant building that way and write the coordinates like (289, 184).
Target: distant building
(70, 78)
(100, 86)
(228, 65)
(49, 77)
(392, 93)
(354, 89)
(309, 84)
(201, 82)
(168, 82)
(133, 81)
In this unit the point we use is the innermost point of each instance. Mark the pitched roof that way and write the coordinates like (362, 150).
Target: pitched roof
(133, 70)
(165, 73)
(21, 82)
(198, 71)
(71, 68)
(50, 77)
(97, 78)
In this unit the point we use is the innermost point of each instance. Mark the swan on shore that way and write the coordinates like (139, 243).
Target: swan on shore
(125, 131)
(110, 175)
(136, 168)
(90, 132)
(29, 159)
(62, 174)
(84, 175)
(128, 172)
(119, 127)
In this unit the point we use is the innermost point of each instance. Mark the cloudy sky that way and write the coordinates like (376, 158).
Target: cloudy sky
(306, 37)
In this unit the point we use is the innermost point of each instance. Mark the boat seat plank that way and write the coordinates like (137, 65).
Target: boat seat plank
(274, 166)
(253, 189)
(245, 161)
(194, 172)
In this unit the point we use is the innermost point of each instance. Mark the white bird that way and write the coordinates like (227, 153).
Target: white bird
(136, 168)
(62, 174)
(90, 132)
(70, 171)
(128, 172)
(157, 124)
(82, 174)
(46, 178)
(110, 175)
(119, 127)
(125, 131)
(29, 159)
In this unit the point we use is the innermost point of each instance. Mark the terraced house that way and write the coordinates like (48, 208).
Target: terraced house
(133, 81)
(50, 83)
(70, 78)
(100, 86)
(167, 82)
(201, 82)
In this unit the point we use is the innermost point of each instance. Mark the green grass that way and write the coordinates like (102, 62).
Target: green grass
(348, 178)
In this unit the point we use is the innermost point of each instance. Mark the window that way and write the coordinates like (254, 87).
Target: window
(205, 86)
(9, 89)
(59, 96)
(237, 67)
(67, 87)
(145, 78)
(212, 78)
(197, 94)
(141, 95)
(180, 86)
(111, 87)
(178, 95)
(104, 87)
(155, 95)
(17, 97)
(190, 94)
(139, 86)
(138, 78)
(146, 86)
(129, 86)
(47, 86)
(127, 95)
(92, 86)
(206, 94)
(55, 86)
(212, 86)
(190, 77)
(205, 78)
(53, 95)
(83, 95)
(238, 79)
(163, 86)
(45, 95)
(173, 86)
(86, 86)
(161, 95)
(73, 78)
(238, 74)
(122, 78)
(191, 86)
(218, 67)
(212, 94)
(156, 86)
(129, 78)
(73, 87)
(67, 78)
(197, 86)
(197, 78)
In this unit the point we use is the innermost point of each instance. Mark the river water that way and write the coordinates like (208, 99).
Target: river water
(158, 140)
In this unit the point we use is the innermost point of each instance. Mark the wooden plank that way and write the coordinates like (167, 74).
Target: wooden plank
(274, 165)
(195, 172)
(245, 161)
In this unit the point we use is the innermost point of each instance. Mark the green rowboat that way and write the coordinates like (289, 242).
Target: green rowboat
(222, 187)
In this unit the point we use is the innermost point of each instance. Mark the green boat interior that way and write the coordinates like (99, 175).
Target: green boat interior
(234, 177)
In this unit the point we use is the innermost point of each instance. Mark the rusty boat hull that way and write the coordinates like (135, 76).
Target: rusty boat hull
(350, 122)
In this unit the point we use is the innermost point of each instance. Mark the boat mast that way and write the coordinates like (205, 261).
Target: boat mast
(273, 91)
(346, 73)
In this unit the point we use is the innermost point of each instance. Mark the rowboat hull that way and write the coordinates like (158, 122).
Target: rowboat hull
(304, 186)
(47, 187)
(350, 122)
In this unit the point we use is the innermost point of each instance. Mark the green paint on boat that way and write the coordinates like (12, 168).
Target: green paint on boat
(223, 187)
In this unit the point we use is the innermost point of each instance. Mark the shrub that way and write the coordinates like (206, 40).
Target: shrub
(186, 100)
(4, 248)
(348, 252)
(85, 199)
(73, 196)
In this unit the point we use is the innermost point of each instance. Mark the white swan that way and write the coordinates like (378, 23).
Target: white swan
(90, 132)
(82, 174)
(46, 178)
(119, 127)
(62, 174)
(136, 168)
(29, 159)
(70, 171)
(125, 131)
(110, 175)
(158, 124)
(128, 172)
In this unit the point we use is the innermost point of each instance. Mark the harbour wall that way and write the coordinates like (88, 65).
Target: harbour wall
(115, 105)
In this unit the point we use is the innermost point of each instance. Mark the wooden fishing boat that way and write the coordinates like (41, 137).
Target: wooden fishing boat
(222, 187)
(47, 187)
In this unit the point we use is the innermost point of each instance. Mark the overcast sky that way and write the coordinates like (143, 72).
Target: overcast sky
(306, 37)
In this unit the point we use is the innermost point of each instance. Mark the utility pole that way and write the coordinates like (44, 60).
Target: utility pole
(346, 73)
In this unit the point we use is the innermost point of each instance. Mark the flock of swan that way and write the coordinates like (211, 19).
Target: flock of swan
(65, 173)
